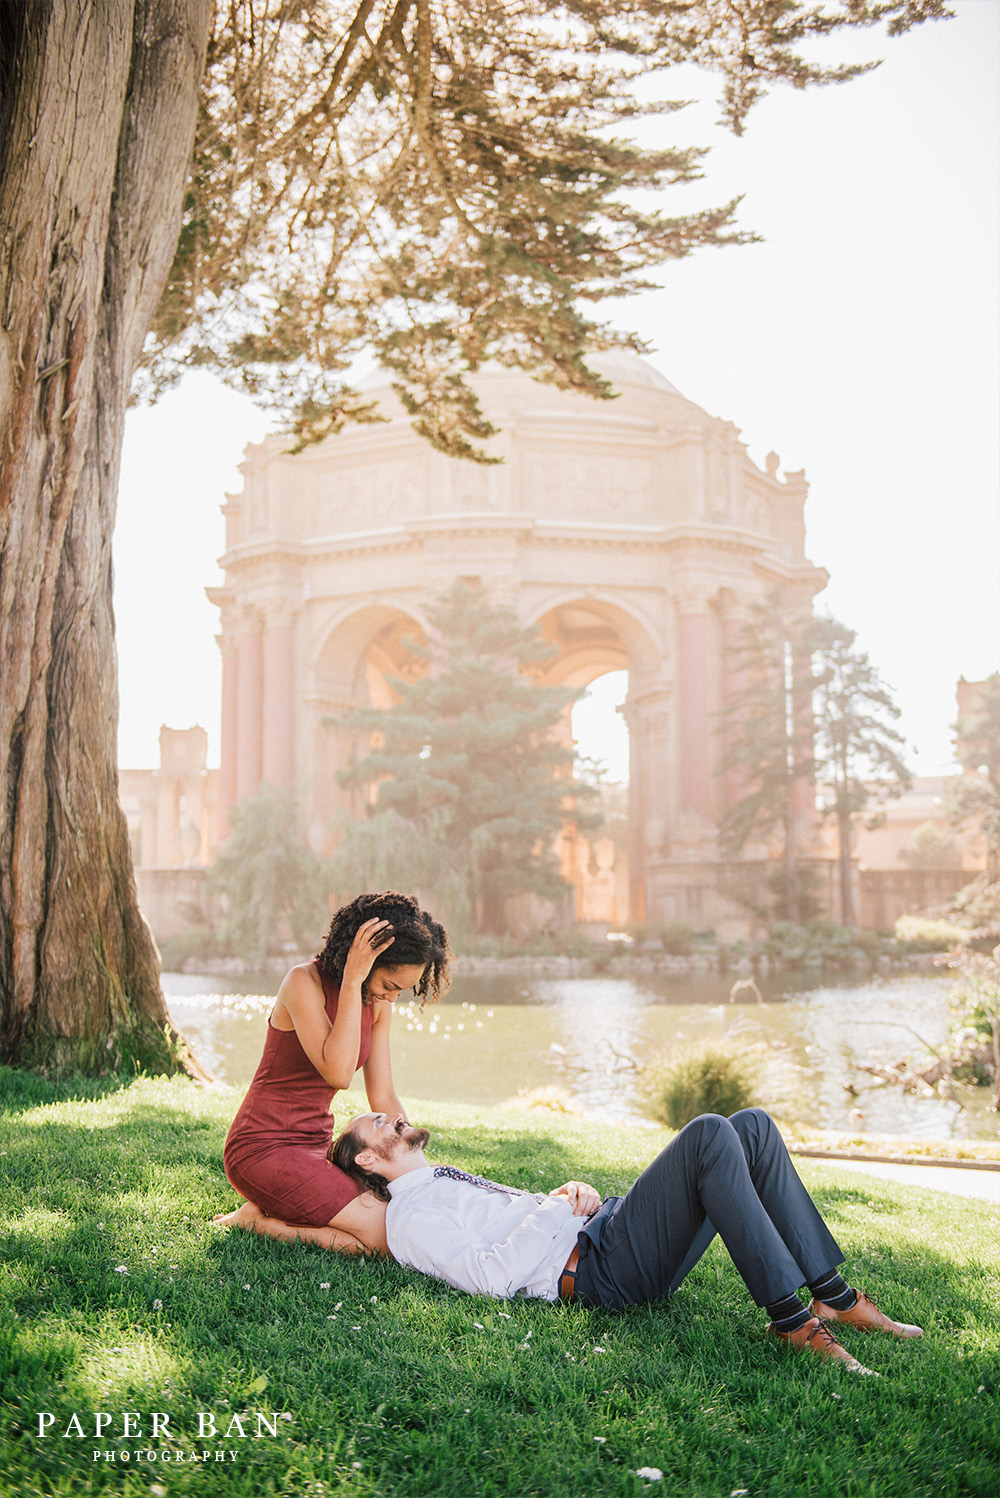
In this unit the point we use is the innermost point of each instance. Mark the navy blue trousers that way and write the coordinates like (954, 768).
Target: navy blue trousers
(727, 1176)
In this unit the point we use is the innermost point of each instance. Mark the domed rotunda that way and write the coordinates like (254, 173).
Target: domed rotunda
(634, 531)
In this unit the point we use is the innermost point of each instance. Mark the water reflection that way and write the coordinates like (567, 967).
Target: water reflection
(497, 1036)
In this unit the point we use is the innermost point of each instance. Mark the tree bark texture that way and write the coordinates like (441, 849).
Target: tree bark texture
(96, 129)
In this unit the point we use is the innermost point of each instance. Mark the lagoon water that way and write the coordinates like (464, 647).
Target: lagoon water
(494, 1037)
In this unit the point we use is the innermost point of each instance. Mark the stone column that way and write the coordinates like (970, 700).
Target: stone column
(649, 798)
(227, 759)
(694, 726)
(733, 683)
(278, 697)
(249, 703)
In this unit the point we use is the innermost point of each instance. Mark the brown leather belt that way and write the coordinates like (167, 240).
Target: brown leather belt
(567, 1280)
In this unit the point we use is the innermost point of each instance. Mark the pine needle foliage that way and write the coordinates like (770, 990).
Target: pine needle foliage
(768, 737)
(441, 182)
(858, 751)
(273, 887)
(469, 766)
(811, 709)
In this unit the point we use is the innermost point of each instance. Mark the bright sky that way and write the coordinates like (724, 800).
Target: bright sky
(860, 340)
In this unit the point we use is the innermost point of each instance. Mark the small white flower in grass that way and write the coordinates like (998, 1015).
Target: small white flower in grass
(838, 1396)
(285, 1415)
(601, 1440)
(739, 1493)
(479, 1326)
(158, 1490)
(355, 1466)
(338, 1305)
(651, 1474)
(373, 1301)
(599, 1349)
(504, 1314)
(355, 1328)
(121, 1269)
(157, 1305)
(324, 1284)
(246, 1287)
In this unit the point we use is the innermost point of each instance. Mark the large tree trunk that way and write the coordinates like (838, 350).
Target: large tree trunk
(96, 129)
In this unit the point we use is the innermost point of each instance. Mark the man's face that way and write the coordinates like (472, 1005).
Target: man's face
(388, 1135)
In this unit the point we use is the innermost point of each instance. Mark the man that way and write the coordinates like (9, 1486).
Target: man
(731, 1176)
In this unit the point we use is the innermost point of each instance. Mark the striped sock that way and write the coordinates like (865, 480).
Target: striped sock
(788, 1314)
(834, 1291)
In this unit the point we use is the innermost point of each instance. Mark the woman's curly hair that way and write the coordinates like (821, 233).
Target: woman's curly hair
(417, 938)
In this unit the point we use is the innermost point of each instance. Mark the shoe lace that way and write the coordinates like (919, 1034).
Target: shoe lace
(825, 1335)
(866, 1300)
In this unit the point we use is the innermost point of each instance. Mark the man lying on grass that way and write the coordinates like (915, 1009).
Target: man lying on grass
(733, 1176)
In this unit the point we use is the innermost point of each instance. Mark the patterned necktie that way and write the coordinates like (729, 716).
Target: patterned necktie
(453, 1174)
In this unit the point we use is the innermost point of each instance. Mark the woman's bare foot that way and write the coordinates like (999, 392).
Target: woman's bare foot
(246, 1216)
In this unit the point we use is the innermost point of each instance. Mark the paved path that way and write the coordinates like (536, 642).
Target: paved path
(984, 1185)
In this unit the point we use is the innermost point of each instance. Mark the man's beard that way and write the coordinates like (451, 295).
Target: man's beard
(413, 1139)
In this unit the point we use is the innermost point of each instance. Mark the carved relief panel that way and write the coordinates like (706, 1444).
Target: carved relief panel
(564, 485)
(370, 497)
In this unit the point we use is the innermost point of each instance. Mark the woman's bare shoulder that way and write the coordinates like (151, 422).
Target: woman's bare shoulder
(300, 985)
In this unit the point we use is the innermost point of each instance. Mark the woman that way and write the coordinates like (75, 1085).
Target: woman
(331, 1017)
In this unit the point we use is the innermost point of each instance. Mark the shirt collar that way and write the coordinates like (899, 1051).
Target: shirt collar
(410, 1179)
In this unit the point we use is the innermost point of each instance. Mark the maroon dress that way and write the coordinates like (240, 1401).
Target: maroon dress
(275, 1152)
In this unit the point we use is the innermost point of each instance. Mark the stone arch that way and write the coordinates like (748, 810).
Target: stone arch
(596, 632)
(355, 654)
(358, 648)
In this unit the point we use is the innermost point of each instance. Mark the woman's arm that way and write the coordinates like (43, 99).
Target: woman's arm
(333, 1049)
(379, 1086)
(252, 1219)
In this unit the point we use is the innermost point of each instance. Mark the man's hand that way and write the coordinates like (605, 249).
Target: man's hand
(582, 1198)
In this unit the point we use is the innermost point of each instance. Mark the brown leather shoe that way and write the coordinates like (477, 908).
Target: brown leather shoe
(817, 1338)
(866, 1316)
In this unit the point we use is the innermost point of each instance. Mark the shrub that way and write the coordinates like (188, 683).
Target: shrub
(821, 944)
(712, 1076)
(677, 938)
(197, 941)
(933, 936)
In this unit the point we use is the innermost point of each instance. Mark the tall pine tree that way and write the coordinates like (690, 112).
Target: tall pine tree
(473, 779)
(858, 751)
(975, 796)
(768, 732)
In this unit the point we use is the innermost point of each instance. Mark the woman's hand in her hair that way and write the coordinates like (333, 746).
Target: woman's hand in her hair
(371, 939)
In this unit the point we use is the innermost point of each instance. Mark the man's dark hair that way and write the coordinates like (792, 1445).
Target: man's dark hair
(418, 939)
(342, 1152)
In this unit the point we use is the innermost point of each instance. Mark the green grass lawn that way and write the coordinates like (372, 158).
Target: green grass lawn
(119, 1294)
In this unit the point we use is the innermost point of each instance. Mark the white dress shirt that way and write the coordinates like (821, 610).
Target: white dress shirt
(485, 1242)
